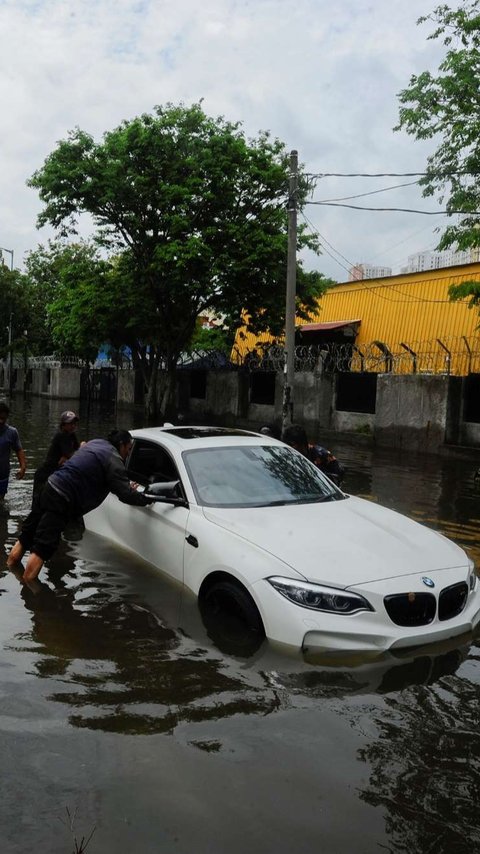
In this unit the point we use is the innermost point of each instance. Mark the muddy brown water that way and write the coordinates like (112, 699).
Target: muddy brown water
(121, 715)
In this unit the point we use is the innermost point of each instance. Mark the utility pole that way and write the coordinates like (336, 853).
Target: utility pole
(289, 350)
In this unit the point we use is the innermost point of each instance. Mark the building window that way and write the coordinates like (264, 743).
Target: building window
(356, 392)
(262, 387)
(198, 384)
(471, 407)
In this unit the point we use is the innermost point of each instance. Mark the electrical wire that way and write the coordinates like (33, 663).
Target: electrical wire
(386, 174)
(404, 240)
(374, 288)
(401, 210)
(371, 193)
(324, 240)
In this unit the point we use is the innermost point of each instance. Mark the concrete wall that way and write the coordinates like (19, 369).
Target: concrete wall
(412, 411)
(470, 434)
(353, 422)
(226, 395)
(126, 388)
(48, 382)
(65, 382)
(418, 412)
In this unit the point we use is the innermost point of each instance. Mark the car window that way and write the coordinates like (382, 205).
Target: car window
(150, 463)
(255, 476)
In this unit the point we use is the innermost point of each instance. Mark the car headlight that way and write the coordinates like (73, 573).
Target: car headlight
(319, 598)
(472, 575)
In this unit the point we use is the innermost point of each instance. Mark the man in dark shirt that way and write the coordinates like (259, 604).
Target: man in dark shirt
(64, 443)
(74, 489)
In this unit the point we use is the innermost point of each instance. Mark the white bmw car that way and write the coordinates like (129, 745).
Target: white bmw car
(254, 529)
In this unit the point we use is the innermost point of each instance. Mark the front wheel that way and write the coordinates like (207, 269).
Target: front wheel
(231, 617)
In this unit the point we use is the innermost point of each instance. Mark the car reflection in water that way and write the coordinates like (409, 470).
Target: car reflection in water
(139, 666)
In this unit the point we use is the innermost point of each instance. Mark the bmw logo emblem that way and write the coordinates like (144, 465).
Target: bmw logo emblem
(428, 581)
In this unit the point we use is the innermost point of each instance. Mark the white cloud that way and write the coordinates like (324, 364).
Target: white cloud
(321, 76)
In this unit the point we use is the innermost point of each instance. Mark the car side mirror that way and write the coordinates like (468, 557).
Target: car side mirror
(168, 491)
(165, 489)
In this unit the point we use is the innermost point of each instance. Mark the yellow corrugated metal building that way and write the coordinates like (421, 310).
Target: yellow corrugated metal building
(408, 316)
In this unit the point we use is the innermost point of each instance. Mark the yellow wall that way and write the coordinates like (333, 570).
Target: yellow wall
(411, 308)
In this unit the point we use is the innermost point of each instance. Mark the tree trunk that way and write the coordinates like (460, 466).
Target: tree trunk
(160, 397)
(151, 407)
(151, 404)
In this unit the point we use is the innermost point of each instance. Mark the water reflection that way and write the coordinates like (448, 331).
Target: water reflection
(126, 670)
(425, 768)
(116, 651)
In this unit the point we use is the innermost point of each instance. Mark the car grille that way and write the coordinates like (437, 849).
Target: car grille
(411, 609)
(452, 601)
(419, 609)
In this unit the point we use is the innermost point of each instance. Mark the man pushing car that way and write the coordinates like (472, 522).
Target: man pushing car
(77, 487)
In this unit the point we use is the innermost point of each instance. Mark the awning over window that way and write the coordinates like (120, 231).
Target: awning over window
(326, 327)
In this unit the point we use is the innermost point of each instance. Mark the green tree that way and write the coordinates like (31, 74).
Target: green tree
(70, 278)
(195, 215)
(211, 338)
(446, 107)
(17, 310)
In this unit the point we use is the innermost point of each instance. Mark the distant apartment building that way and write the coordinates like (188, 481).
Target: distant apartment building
(368, 271)
(433, 260)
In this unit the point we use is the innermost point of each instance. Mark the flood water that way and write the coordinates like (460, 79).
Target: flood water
(122, 716)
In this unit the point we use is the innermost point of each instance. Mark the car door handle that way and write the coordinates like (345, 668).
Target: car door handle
(192, 541)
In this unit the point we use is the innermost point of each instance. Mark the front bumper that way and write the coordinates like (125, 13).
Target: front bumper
(365, 632)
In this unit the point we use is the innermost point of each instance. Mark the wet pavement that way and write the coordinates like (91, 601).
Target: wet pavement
(121, 714)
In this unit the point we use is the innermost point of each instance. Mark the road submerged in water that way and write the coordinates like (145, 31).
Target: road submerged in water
(122, 716)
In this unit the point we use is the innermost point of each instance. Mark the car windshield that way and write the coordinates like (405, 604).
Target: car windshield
(255, 476)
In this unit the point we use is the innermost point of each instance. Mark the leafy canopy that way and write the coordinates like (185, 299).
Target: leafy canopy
(446, 107)
(192, 217)
(19, 313)
(74, 282)
(197, 209)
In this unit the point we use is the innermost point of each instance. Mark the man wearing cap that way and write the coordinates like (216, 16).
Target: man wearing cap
(64, 443)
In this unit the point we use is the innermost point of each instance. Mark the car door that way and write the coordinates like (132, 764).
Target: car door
(156, 532)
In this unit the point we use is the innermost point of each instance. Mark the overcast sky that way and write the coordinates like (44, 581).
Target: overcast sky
(321, 76)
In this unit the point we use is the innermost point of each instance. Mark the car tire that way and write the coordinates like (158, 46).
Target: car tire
(228, 598)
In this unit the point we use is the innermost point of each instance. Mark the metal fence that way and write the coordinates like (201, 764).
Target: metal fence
(459, 356)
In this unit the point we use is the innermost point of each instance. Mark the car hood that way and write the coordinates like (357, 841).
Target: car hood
(345, 542)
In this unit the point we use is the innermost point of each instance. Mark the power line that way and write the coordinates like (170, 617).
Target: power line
(324, 240)
(310, 223)
(403, 240)
(386, 174)
(409, 300)
(401, 210)
(371, 193)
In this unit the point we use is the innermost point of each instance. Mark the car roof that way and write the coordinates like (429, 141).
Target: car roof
(189, 437)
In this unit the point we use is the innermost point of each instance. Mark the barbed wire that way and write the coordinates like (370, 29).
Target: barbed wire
(450, 355)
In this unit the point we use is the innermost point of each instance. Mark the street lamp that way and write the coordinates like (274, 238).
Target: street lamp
(10, 370)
